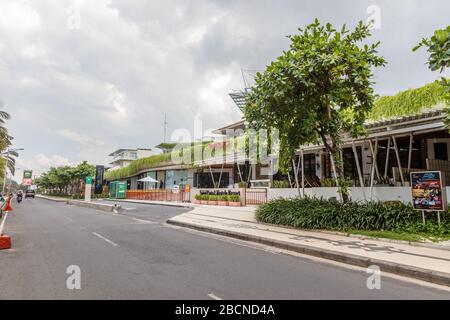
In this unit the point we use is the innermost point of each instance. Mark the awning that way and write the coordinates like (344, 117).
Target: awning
(148, 179)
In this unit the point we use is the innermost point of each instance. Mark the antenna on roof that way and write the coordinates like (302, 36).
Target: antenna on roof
(165, 126)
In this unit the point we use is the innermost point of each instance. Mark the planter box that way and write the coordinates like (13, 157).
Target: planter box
(222, 203)
(234, 204)
(197, 201)
(203, 201)
(212, 203)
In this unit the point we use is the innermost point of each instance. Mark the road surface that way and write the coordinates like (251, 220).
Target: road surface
(135, 255)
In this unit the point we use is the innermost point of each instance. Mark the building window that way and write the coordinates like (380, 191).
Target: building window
(440, 151)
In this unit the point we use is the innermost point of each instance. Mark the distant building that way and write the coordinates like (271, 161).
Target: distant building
(123, 157)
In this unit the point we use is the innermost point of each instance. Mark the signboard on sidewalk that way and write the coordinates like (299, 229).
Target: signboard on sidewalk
(427, 191)
(99, 170)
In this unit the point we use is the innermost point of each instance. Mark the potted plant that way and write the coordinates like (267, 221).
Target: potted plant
(242, 185)
(204, 199)
(234, 200)
(212, 200)
(222, 200)
(198, 198)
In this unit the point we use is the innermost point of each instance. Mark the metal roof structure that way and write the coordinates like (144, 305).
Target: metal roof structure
(239, 99)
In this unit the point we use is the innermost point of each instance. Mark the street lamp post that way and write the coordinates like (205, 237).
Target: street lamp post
(6, 165)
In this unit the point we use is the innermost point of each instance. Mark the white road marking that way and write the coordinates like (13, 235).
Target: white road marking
(129, 208)
(5, 214)
(213, 296)
(141, 221)
(70, 219)
(103, 238)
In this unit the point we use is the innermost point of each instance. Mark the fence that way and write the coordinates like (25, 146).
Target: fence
(255, 196)
(159, 195)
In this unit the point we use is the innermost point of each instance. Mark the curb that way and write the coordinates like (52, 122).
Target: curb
(422, 244)
(52, 199)
(437, 277)
(95, 205)
(153, 204)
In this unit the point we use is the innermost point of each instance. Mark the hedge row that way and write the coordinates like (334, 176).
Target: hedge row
(313, 213)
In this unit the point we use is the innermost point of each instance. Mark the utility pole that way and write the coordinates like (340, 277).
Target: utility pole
(165, 126)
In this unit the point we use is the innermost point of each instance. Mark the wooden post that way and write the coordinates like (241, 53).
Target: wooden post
(358, 168)
(296, 176)
(333, 167)
(410, 152)
(303, 172)
(388, 150)
(398, 160)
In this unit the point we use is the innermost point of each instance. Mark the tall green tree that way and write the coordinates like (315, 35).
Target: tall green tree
(5, 143)
(317, 90)
(66, 179)
(438, 46)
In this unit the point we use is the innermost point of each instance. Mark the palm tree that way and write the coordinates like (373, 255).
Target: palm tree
(5, 142)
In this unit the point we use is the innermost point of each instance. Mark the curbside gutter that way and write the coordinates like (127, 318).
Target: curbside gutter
(437, 277)
(95, 205)
(168, 204)
(51, 198)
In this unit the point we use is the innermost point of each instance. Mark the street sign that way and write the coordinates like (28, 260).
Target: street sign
(99, 170)
(88, 180)
(427, 191)
(27, 174)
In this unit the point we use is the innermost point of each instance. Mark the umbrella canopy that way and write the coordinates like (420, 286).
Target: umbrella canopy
(148, 179)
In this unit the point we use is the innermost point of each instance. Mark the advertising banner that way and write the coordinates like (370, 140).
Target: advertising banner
(99, 171)
(27, 178)
(27, 174)
(427, 191)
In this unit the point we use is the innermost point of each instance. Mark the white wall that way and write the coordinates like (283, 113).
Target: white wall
(144, 153)
(356, 194)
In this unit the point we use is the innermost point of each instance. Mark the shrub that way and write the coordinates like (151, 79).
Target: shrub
(198, 197)
(234, 198)
(204, 197)
(242, 184)
(280, 184)
(223, 197)
(313, 213)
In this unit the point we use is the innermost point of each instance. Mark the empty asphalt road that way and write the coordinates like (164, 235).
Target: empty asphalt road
(135, 255)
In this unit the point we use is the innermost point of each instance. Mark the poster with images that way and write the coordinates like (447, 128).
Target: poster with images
(427, 191)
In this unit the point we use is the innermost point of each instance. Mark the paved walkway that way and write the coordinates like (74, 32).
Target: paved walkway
(430, 264)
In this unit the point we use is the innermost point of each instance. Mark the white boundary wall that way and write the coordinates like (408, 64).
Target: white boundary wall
(356, 194)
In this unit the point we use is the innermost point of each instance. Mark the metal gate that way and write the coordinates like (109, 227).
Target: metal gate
(255, 196)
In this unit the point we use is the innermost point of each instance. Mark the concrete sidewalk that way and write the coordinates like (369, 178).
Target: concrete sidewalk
(424, 263)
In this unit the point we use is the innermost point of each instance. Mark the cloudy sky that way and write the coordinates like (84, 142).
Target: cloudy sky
(82, 78)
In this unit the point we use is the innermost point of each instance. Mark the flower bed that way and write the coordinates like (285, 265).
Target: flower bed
(221, 199)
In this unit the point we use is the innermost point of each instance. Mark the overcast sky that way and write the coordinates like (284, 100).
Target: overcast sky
(82, 78)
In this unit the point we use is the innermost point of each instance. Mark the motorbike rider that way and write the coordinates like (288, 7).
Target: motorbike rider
(19, 196)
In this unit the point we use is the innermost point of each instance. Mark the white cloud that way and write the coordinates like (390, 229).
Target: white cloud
(39, 164)
(78, 94)
(79, 137)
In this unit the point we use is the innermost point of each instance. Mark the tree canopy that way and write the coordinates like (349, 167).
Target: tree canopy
(65, 179)
(318, 89)
(438, 46)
